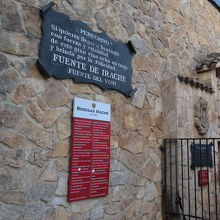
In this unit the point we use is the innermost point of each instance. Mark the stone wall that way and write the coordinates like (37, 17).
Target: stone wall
(35, 112)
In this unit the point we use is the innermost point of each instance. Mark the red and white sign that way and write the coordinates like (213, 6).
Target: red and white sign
(203, 177)
(90, 150)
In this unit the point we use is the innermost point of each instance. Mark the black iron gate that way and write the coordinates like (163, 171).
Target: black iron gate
(191, 185)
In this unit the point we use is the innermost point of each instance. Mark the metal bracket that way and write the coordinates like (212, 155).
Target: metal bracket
(162, 148)
(131, 47)
(47, 7)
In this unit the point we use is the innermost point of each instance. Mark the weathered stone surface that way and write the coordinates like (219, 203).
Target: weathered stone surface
(50, 173)
(155, 104)
(139, 16)
(12, 139)
(34, 111)
(116, 165)
(156, 43)
(84, 206)
(62, 165)
(151, 171)
(38, 85)
(8, 81)
(14, 212)
(101, 17)
(10, 18)
(36, 134)
(22, 93)
(129, 211)
(139, 44)
(112, 209)
(29, 175)
(13, 157)
(161, 36)
(135, 118)
(32, 21)
(8, 181)
(39, 156)
(34, 211)
(42, 191)
(114, 141)
(58, 201)
(84, 9)
(32, 69)
(57, 213)
(61, 150)
(136, 180)
(64, 126)
(9, 115)
(133, 162)
(3, 62)
(139, 96)
(145, 131)
(115, 208)
(119, 193)
(62, 185)
(79, 88)
(13, 197)
(132, 142)
(18, 44)
(41, 102)
(128, 23)
(118, 178)
(51, 116)
(55, 94)
(97, 212)
(140, 194)
(144, 64)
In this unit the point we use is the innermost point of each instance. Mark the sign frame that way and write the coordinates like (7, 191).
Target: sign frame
(90, 150)
(201, 155)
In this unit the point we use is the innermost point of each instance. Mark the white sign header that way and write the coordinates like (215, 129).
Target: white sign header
(84, 108)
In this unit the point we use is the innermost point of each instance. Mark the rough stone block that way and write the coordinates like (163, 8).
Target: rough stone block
(64, 126)
(34, 111)
(50, 173)
(39, 156)
(3, 62)
(18, 44)
(10, 17)
(13, 158)
(51, 116)
(12, 139)
(139, 44)
(61, 150)
(62, 185)
(32, 21)
(37, 135)
(118, 178)
(34, 211)
(42, 191)
(22, 93)
(139, 97)
(8, 81)
(97, 212)
(128, 23)
(55, 94)
(9, 115)
(13, 197)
